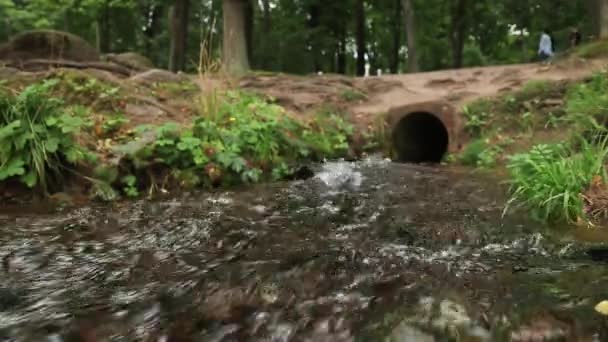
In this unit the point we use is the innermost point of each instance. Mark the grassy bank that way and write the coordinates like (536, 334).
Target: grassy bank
(549, 138)
(72, 133)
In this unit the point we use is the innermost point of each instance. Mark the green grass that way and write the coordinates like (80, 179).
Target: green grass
(592, 50)
(549, 179)
(37, 136)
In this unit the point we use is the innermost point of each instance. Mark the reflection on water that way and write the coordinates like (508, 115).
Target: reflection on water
(367, 250)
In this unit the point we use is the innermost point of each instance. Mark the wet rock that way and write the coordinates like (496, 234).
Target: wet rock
(10, 298)
(405, 332)
(301, 173)
(599, 253)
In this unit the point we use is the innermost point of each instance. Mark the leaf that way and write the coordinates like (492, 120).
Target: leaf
(51, 145)
(30, 179)
(8, 130)
(13, 168)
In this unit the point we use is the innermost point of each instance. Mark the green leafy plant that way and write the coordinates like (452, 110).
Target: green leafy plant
(477, 116)
(37, 136)
(480, 153)
(352, 95)
(114, 123)
(549, 179)
(244, 140)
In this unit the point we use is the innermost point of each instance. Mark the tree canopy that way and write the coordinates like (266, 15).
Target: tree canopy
(305, 36)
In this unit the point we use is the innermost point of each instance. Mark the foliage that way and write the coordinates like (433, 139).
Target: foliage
(114, 123)
(477, 115)
(245, 141)
(37, 136)
(549, 179)
(353, 95)
(587, 103)
(307, 35)
(479, 154)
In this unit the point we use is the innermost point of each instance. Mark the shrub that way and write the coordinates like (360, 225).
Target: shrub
(587, 103)
(549, 179)
(243, 139)
(37, 137)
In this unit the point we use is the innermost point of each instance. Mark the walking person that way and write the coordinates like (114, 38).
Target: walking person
(545, 48)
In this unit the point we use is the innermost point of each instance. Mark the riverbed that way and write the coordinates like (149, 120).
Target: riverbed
(364, 251)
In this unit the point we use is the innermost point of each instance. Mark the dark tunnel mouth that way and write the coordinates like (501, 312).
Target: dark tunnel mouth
(420, 137)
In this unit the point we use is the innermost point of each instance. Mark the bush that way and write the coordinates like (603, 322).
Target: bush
(242, 138)
(550, 179)
(37, 137)
(587, 104)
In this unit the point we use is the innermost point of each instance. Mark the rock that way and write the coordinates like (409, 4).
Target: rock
(48, 44)
(130, 60)
(158, 76)
(405, 332)
(143, 110)
(8, 73)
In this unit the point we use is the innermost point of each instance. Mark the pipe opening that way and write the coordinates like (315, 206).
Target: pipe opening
(420, 137)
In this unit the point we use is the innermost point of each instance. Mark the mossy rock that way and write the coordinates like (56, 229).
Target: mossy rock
(158, 76)
(130, 60)
(47, 44)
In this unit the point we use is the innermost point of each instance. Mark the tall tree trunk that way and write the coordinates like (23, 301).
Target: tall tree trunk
(458, 31)
(179, 35)
(341, 62)
(152, 12)
(235, 57)
(249, 23)
(410, 28)
(360, 36)
(102, 28)
(314, 12)
(267, 43)
(397, 26)
(603, 19)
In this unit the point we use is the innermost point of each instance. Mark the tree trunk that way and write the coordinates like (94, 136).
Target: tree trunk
(360, 36)
(235, 57)
(341, 62)
(603, 19)
(152, 12)
(397, 27)
(314, 12)
(410, 28)
(267, 43)
(102, 28)
(458, 32)
(179, 35)
(249, 23)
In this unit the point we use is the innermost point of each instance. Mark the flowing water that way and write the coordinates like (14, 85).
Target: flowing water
(366, 251)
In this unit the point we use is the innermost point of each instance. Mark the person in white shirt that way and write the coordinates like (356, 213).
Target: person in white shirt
(545, 48)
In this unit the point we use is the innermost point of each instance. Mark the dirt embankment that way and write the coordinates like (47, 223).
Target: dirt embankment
(363, 98)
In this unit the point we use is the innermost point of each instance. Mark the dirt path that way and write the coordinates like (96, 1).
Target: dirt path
(306, 93)
(461, 86)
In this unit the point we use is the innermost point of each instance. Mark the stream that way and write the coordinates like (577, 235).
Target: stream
(364, 251)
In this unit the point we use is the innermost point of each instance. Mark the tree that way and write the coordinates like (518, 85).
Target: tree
(235, 56)
(410, 28)
(360, 29)
(458, 30)
(603, 18)
(179, 35)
